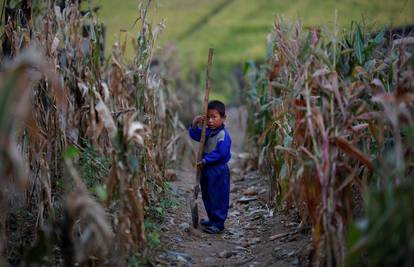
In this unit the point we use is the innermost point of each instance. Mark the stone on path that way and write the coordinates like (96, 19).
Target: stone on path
(172, 256)
(184, 227)
(246, 199)
(251, 191)
(226, 254)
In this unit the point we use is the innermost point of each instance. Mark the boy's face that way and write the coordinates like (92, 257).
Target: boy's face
(214, 119)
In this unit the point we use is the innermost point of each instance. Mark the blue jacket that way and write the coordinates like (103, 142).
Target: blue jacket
(217, 146)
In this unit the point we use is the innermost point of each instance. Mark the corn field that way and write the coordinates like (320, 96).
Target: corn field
(85, 139)
(331, 116)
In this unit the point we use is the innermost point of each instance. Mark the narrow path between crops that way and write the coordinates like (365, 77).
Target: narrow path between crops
(254, 234)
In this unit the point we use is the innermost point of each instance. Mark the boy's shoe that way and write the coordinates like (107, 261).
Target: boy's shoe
(205, 222)
(212, 229)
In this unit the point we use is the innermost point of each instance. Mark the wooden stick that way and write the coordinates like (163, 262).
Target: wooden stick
(203, 131)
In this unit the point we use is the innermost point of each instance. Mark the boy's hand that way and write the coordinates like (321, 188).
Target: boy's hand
(200, 164)
(197, 120)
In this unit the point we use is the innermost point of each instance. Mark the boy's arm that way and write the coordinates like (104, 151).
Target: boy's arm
(195, 133)
(221, 151)
(194, 130)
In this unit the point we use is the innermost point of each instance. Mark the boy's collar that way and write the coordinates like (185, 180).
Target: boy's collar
(215, 131)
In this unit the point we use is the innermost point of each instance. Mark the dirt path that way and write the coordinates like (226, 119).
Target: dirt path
(254, 234)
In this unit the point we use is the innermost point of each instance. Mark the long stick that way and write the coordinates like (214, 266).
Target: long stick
(203, 131)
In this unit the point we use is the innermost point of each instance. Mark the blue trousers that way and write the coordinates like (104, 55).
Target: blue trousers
(215, 191)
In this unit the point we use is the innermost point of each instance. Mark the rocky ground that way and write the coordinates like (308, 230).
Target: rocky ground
(255, 234)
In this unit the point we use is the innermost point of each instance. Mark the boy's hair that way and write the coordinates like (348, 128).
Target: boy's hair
(219, 106)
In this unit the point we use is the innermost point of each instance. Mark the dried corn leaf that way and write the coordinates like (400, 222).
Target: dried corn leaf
(352, 151)
(106, 116)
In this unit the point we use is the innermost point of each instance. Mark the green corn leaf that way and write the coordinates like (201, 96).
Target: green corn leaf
(379, 38)
(249, 66)
(13, 4)
(359, 44)
(71, 152)
(101, 192)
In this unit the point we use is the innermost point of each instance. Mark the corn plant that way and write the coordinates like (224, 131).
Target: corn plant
(322, 129)
(119, 109)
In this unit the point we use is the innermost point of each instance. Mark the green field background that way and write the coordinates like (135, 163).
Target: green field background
(237, 29)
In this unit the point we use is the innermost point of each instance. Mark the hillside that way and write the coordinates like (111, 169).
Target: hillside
(237, 29)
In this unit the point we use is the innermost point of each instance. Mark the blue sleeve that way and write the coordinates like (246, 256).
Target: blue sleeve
(195, 133)
(221, 152)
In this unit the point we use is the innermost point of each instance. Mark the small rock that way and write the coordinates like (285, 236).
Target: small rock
(236, 170)
(239, 179)
(256, 211)
(226, 254)
(290, 254)
(281, 254)
(254, 241)
(295, 261)
(255, 218)
(246, 199)
(178, 256)
(294, 224)
(251, 191)
(177, 239)
(234, 189)
(234, 213)
(245, 244)
(243, 156)
(240, 248)
(164, 228)
(262, 191)
(277, 236)
(230, 231)
(276, 249)
(184, 227)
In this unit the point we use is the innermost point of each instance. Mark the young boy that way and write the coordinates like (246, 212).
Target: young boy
(215, 174)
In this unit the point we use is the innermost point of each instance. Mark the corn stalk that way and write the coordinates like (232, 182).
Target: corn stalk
(322, 128)
(122, 109)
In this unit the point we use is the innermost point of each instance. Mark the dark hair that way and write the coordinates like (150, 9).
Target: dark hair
(219, 106)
